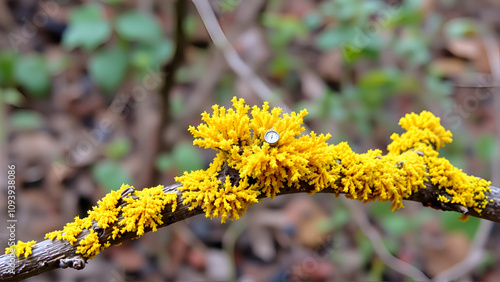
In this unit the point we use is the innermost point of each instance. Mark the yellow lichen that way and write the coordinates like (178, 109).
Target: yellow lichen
(224, 129)
(107, 210)
(232, 201)
(424, 132)
(89, 247)
(142, 210)
(71, 230)
(240, 142)
(145, 211)
(246, 167)
(308, 161)
(21, 248)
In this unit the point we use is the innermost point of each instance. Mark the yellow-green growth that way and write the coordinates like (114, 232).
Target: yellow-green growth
(143, 209)
(89, 246)
(146, 210)
(71, 230)
(308, 159)
(21, 248)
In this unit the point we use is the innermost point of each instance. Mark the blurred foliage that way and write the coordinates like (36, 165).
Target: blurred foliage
(450, 223)
(32, 73)
(108, 67)
(25, 120)
(138, 26)
(11, 96)
(110, 174)
(87, 28)
(184, 157)
(461, 27)
(118, 148)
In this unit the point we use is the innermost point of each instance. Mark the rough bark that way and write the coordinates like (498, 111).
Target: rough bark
(48, 255)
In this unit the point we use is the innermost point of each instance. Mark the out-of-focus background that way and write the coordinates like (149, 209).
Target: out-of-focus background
(94, 94)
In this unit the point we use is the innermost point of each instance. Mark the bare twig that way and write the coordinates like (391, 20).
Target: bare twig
(247, 12)
(379, 246)
(473, 258)
(233, 59)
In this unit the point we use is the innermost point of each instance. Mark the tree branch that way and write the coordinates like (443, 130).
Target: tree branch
(48, 255)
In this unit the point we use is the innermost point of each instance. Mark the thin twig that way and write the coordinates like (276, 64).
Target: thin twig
(473, 258)
(233, 59)
(379, 246)
(247, 13)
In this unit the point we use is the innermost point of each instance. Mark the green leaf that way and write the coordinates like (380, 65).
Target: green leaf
(177, 105)
(32, 73)
(408, 14)
(281, 64)
(313, 108)
(119, 148)
(228, 5)
(395, 224)
(333, 38)
(450, 222)
(460, 27)
(190, 25)
(87, 28)
(339, 218)
(438, 87)
(285, 28)
(345, 10)
(413, 49)
(187, 157)
(7, 63)
(86, 13)
(86, 35)
(313, 20)
(25, 120)
(138, 26)
(382, 78)
(486, 147)
(57, 65)
(164, 162)
(110, 175)
(147, 55)
(392, 222)
(12, 97)
(376, 86)
(108, 68)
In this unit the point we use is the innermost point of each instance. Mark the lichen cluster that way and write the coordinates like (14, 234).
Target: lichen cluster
(143, 209)
(21, 248)
(263, 169)
(247, 168)
(308, 160)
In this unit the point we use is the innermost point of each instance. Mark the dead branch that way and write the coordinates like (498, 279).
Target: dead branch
(48, 255)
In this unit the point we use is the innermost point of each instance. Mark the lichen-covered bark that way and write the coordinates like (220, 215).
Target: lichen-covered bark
(48, 255)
